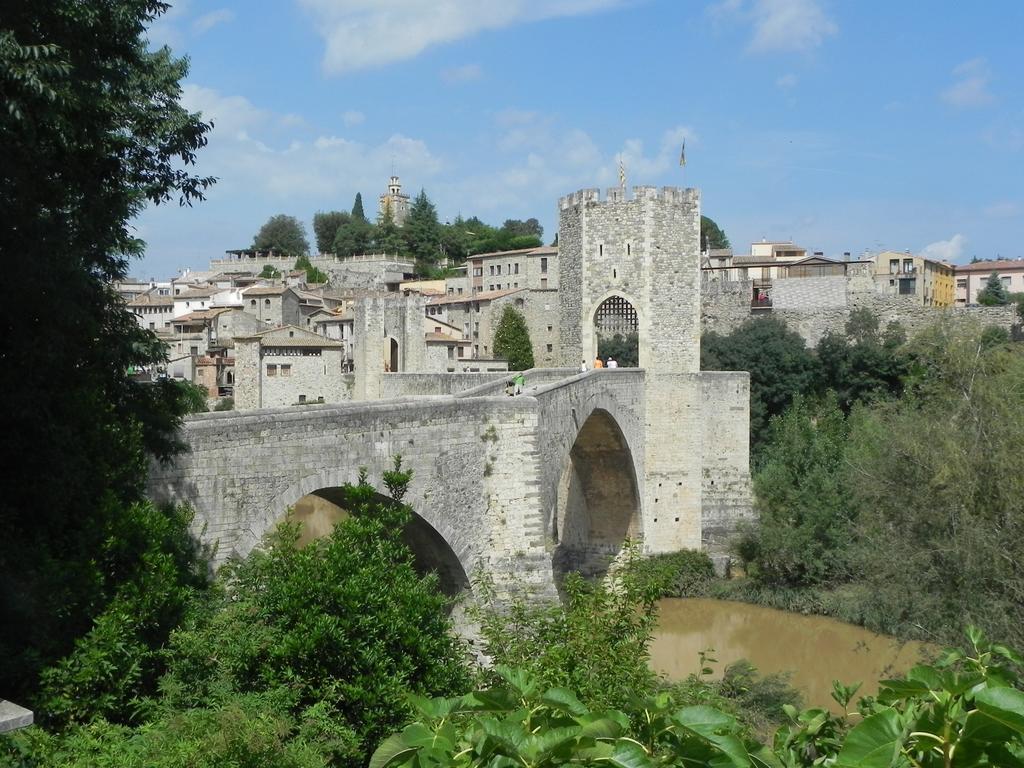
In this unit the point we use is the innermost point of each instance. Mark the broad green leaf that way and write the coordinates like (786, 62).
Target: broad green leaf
(1008, 653)
(874, 743)
(601, 728)
(763, 757)
(493, 700)
(629, 754)
(927, 675)
(706, 722)
(520, 680)
(1005, 705)
(392, 751)
(564, 701)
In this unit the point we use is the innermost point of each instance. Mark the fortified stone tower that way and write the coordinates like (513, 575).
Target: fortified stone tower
(629, 264)
(387, 337)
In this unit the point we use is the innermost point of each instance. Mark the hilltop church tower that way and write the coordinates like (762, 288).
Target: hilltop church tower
(633, 265)
(395, 201)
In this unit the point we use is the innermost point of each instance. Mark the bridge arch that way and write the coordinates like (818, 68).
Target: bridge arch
(598, 498)
(316, 501)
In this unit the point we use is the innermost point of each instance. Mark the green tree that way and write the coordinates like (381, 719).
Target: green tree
(528, 228)
(512, 340)
(779, 363)
(357, 208)
(284, 234)
(270, 272)
(313, 274)
(193, 396)
(422, 233)
(862, 363)
(387, 237)
(93, 131)
(711, 235)
(455, 240)
(994, 293)
(353, 237)
(805, 523)
(325, 228)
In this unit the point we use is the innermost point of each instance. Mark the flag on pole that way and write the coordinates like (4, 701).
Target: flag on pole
(622, 172)
(682, 154)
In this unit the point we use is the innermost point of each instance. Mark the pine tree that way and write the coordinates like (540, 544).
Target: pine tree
(357, 208)
(994, 293)
(387, 238)
(422, 232)
(512, 340)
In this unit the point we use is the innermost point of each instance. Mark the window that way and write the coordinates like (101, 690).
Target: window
(961, 283)
(519, 302)
(478, 271)
(629, 250)
(437, 329)
(492, 270)
(550, 347)
(302, 399)
(194, 351)
(152, 326)
(517, 267)
(271, 370)
(252, 302)
(451, 353)
(460, 291)
(543, 282)
(286, 369)
(894, 266)
(515, 285)
(1005, 280)
(600, 249)
(266, 302)
(549, 329)
(462, 352)
(499, 269)
(544, 264)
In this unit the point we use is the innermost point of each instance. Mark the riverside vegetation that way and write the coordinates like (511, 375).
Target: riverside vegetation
(886, 477)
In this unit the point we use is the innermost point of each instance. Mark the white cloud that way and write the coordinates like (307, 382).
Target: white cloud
(970, 85)
(353, 117)
(208, 21)
(947, 250)
(370, 33)
(779, 25)
(787, 82)
(464, 74)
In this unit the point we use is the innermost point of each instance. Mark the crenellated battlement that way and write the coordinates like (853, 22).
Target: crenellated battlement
(613, 195)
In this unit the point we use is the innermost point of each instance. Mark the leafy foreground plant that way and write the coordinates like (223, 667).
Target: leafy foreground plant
(522, 725)
(965, 711)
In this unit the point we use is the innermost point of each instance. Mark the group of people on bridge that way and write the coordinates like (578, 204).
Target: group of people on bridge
(599, 363)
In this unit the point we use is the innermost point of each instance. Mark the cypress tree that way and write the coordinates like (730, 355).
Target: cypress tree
(357, 208)
(512, 340)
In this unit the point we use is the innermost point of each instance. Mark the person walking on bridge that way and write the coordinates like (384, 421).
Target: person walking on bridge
(583, 367)
(598, 363)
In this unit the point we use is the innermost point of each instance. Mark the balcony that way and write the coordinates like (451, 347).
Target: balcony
(761, 304)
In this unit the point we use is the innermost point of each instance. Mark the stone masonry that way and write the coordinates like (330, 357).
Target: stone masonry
(522, 487)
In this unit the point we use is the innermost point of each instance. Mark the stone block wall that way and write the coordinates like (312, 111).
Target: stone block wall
(725, 486)
(808, 292)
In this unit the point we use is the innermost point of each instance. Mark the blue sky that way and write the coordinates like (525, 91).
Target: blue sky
(845, 126)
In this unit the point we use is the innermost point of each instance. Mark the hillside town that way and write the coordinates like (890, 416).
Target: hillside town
(255, 332)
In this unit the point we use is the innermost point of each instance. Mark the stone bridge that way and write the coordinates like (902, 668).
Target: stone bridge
(522, 487)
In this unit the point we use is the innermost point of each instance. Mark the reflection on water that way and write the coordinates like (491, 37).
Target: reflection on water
(815, 649)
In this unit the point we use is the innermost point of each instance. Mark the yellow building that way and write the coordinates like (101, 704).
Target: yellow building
(905, 274)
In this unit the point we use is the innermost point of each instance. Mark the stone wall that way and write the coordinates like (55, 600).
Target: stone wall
(540, 310)
(726, 492)
(396, 385)
(811, 306)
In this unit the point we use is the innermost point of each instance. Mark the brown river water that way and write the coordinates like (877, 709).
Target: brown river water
(815, 649)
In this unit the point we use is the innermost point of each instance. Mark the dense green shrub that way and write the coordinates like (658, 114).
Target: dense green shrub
(344, 623)
(686, 573)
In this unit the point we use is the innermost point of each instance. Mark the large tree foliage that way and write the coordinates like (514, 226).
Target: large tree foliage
(512, 340)
(779, 363)
(529, 228)
(313, 274)
(994, 294)
(357, 208)
(711, 235)
(916, 501)
(625, 349)
(325, 228)
(387, 237)
(422, 233)
(353, 237)
(93, 131)
(282, 233)
(862, 363)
